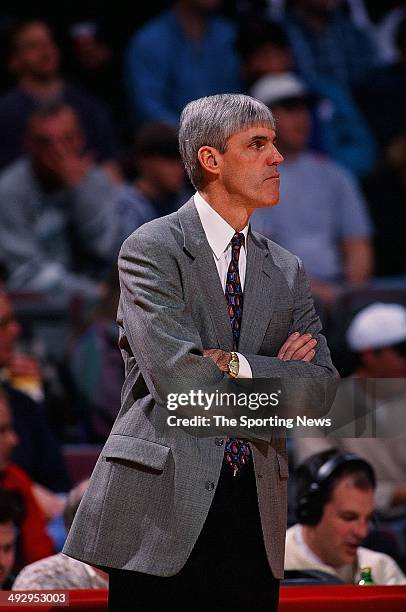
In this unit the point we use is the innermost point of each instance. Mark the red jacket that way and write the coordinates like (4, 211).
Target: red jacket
(35, 542)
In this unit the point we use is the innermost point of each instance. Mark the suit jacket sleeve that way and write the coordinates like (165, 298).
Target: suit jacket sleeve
(157, 322)
(304, 320)
(310, 387)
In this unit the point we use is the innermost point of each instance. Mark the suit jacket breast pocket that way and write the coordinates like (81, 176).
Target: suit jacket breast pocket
(277, 331)
(144, 455)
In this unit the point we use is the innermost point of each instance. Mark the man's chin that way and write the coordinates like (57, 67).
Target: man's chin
(349, 557)
(269, 203)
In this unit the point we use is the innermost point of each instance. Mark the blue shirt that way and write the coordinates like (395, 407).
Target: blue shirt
(133, 210)
(340, 129)
(165, 69)
(320, 205)
(341, 51)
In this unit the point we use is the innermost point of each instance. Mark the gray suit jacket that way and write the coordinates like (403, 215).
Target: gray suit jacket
(152, 486)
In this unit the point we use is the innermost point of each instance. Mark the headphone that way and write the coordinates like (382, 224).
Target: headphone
(309, 508)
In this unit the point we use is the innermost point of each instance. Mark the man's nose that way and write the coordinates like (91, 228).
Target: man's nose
(280, 157)
(275, 157)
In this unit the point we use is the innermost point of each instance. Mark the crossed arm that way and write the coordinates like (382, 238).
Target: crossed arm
(163, 337)
(298, 347)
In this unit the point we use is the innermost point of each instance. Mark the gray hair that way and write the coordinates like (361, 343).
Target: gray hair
(211, 121)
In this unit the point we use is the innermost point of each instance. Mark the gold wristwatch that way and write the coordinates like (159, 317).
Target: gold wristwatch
(233, 365)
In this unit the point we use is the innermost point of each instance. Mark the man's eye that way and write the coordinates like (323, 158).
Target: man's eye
(348, 517)
(257, 144)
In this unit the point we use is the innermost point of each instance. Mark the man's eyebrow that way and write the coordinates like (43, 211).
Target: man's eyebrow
(262, 137)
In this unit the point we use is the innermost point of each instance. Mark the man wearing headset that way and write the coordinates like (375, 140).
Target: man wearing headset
(334, 505)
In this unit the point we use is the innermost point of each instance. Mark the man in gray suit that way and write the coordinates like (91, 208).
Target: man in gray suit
(203, 298)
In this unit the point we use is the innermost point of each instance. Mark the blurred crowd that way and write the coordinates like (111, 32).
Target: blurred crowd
(89, 107)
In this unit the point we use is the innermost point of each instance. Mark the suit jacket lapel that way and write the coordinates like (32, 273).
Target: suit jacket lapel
(205, 270)
(260, 289)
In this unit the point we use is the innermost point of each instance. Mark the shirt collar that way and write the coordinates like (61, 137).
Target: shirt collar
(218, 231)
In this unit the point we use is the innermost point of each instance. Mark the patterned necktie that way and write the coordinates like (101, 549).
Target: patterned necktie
(237, 451)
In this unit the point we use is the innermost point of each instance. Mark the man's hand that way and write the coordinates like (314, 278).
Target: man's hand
(220, 358)
(68, 164)
(297, 347)
(50, 503)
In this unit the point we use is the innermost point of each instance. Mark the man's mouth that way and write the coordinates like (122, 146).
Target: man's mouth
(352, 546)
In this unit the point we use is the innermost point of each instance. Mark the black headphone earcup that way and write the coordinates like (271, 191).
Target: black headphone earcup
(309, 507)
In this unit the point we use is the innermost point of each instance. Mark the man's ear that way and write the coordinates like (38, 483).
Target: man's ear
(209, 159)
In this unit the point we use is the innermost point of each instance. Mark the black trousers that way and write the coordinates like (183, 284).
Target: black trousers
(227, 570)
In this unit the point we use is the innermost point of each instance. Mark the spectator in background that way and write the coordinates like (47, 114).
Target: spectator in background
(338, 127)
(58, 229)
(321, 215)
(377, 338)
(10, 518)
(96, 65)
(385, 190)
(159, 187)
(18, 369)
(327, 44)
(97, 368)
(377, 334)
(33, 58)
(35, 543)
(60, 571)
(37, 453)
(334, 506)
(382, 94)
(185, 53)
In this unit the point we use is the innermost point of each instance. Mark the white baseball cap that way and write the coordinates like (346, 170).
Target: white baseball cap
(376, 326)
(273, 88)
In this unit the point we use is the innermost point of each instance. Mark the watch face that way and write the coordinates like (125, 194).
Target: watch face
(233, 366)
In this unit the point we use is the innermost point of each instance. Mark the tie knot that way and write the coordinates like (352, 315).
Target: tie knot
(238, 239)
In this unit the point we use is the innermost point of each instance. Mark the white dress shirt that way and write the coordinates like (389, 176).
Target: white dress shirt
(219, 234)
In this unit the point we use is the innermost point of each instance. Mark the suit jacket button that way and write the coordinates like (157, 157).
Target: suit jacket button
(209, 485)
(219, 441)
